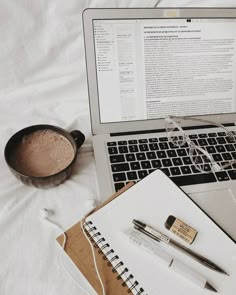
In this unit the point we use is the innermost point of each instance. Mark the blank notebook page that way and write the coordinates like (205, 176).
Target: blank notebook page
(151, 201)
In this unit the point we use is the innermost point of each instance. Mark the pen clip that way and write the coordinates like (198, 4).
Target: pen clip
(146, 233)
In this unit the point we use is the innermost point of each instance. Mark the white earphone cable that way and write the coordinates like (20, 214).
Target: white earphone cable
(94, 258)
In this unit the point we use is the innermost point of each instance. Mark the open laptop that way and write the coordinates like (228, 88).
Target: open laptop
(143, 64)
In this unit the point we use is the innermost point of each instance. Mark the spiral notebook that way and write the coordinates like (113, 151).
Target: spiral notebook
(152, 200)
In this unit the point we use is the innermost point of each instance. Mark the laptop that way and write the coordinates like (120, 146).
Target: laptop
(144, 64)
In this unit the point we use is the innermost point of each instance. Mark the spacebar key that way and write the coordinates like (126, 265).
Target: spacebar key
(194, 179)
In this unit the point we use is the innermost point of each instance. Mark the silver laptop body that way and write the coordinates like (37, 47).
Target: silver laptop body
(143, 64)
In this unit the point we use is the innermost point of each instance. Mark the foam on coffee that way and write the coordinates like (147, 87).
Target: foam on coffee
(42, 153)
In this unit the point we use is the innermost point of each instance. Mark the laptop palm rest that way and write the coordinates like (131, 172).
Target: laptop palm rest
(221, 206)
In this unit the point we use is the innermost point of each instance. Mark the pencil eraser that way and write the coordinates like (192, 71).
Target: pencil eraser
(181, 229)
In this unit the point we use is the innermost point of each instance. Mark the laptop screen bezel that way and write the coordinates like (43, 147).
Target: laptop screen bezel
(91, 14)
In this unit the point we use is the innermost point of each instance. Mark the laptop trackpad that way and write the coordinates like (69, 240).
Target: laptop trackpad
(221, 206)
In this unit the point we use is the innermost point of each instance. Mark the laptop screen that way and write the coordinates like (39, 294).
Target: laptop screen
(148, 68)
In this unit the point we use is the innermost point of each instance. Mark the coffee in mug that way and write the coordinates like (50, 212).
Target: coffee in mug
(42, 153)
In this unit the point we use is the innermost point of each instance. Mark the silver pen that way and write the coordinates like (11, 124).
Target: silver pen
(177, 266)
(159, 237)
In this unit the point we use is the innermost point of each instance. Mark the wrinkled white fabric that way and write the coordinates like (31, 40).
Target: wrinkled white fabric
(43, 80)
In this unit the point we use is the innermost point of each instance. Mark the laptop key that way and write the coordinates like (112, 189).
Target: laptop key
(177, 162)
(230, 139)
(122, 142)
(120, 167)
(135, 166)
(153, 146)
(229, 147)
(123, 149)
(133, 148)
(119, 186)
(222, 176)
(143, 147)
(151, 155)
(156, 164)
(172, 145)
(185, 170)
(132, 175)
(175, 171)
(193, 136)
(166, 162)
(194, 169)
(142, 173)
(161, 154)
(211, 141)
(221, 140)
(143, 140)
(111, 143)
(221, 133)
(146, 164)
(227, 156)
(130, 157)
(154, 139)
(187, 160)
(181, 152)
(112, 150)
(117, 158)
(132, 141)
(202, 142)
(233, 155)
(232, 174)
(202, 135)
(193, 179)
(212, 134)
(217, 157)
(207, 168)
(211, 149)
(163, 145)
(220, 148)
(117, 177)
(141, 156)
(171, 153)
(163, 139)
(204, 159)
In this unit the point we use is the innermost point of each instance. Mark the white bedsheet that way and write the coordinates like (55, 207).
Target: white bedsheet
(43, 80)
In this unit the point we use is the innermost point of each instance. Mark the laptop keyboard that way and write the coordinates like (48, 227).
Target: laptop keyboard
(132, 160)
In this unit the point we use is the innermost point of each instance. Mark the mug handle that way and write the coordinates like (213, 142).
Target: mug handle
(78, 137)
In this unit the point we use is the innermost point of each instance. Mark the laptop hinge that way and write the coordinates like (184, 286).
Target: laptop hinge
(163, 130)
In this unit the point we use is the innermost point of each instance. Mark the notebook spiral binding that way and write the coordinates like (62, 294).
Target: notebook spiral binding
(114, 261)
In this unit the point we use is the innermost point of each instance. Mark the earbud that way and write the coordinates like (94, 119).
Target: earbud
(44, 216)
(45, 213)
